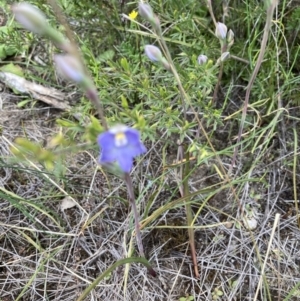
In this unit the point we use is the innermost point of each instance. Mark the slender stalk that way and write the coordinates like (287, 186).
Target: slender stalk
(186, 100)
(185, 177)
(139, 242)
(174, 71)
(129, 185)
(92, 94)
(270, 12)
(224, 48)
(294, 175)
(189, 213)
(216, 90)
(209, 6)
(91, 91)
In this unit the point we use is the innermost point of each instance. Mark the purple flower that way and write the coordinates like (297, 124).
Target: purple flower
(120, 144)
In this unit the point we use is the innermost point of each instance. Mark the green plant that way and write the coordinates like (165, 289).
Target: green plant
(188, 298)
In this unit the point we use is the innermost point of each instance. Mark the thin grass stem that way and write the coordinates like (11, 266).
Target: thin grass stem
(268, 24)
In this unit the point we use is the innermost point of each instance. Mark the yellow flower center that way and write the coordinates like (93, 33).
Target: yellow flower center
(120, 139)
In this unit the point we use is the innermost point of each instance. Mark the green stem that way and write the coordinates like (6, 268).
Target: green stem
(183, 95)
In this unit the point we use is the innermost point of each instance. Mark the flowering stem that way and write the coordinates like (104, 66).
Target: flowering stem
(189, 213)
(216, 90)
(148, 15)
(209, 6)
(215, 95)
(72, 49)
(173, 70)
(270, 10)
(185, 177)
(135, 213)
(139, 242)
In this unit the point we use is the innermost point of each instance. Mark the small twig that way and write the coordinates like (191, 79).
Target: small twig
(239, 59)
(174, 71)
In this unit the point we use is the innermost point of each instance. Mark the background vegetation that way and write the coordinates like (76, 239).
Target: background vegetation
(64, 221)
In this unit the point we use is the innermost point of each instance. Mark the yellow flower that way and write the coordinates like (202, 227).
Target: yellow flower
(133, 15)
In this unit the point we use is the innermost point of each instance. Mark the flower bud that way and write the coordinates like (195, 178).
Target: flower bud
(153, 53)
(221, 31)
(224, 57)
(146, 12)
(202, 59)
(70, 67)
(230, 38)
(30, 17)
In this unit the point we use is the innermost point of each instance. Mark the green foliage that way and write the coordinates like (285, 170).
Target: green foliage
(217, 294)
(10, 41)
(188, 298)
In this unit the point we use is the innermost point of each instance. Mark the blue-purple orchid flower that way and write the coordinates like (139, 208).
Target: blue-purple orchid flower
(120, 144)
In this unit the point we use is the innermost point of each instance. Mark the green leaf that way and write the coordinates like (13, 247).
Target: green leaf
(93, 130)
(124, 102)
(106, 56)
(124, 64)
(3, 54)
(23, 103)
(14, 69)
(66, 123)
